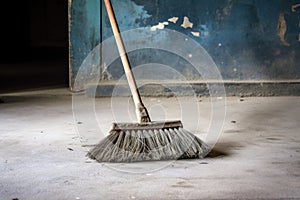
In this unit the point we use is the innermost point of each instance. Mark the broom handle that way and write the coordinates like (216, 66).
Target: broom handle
(141, 111)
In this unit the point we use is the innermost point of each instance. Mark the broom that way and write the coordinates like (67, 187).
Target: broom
(145, 140)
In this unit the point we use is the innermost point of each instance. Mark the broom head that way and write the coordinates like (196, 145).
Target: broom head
(133, 142)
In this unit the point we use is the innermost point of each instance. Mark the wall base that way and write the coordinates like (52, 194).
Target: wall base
(169, 89)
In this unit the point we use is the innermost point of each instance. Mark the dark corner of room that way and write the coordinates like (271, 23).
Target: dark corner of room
(34, 45)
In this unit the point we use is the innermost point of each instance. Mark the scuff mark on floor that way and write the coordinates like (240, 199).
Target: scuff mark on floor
(281, 29)
(173, 19)
(186, 23)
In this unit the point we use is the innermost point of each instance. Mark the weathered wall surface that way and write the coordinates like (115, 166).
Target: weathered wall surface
(247, 39)
(84, 33)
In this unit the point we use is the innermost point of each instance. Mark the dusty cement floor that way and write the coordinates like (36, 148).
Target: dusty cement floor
(43, 151)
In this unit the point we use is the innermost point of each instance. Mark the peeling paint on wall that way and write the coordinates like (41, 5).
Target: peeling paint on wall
(129, 15)
(281, 29)
(173, 19)
(160, 25)
(196, 34)
(293, 7)
(247, 39)
(186, 23)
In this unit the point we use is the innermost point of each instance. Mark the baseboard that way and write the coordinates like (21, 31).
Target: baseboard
(200, 88)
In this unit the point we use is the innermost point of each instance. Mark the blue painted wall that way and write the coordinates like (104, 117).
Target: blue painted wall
(247, 39)
(84, 33)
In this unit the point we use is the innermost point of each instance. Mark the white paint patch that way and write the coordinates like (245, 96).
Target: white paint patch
(293, 7)
(190, 55)
(196, 34)
(158, 26)
(186, 23)
(173, 19)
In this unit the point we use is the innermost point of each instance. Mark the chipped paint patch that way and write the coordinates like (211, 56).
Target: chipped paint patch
(129, 16)
(281, 29)
(293, 7)
(196, 34)
(160, 25)
(173, 19)
(186, 23)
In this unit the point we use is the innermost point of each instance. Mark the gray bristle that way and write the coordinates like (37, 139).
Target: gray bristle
(147, 145)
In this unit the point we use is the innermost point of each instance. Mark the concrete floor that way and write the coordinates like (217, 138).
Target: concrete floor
(43, 151)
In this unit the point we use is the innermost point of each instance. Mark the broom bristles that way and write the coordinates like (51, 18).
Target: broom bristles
(148, 145)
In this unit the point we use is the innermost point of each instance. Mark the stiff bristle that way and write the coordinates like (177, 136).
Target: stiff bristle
(148, 145)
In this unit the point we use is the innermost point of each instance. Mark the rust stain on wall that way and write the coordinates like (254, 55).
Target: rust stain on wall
(281, 29)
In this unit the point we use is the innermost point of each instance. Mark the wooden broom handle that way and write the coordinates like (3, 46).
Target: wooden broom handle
(141, 112)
